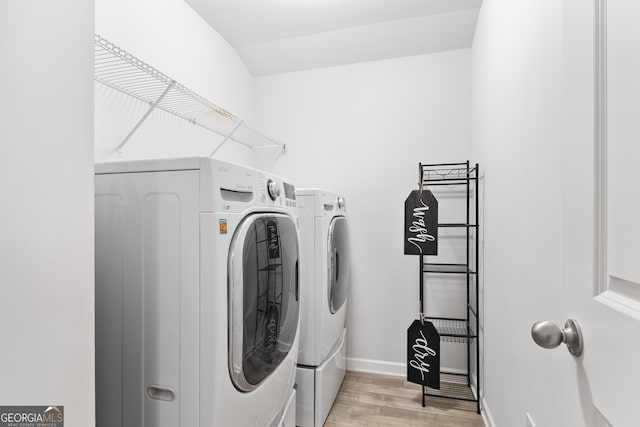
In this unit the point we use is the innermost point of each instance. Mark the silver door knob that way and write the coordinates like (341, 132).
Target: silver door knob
(549, 335)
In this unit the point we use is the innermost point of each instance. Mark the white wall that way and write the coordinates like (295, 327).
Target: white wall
(46, 219)
(170, 36)
(517, 138)
(361, 130)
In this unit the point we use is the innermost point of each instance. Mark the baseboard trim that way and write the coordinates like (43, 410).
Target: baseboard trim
(384, 367)
(376, 366)
(486, 414)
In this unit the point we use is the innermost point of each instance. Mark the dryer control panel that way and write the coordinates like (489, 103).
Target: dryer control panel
(326, 203)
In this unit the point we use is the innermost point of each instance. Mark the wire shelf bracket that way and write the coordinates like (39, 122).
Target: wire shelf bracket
(146, 115)
(226, 138)
(120, 70)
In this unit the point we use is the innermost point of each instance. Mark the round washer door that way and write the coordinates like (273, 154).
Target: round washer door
(339, 263)
(263, 297)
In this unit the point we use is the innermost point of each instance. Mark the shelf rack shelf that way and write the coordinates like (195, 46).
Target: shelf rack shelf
(452, 329)
(447, 268)
(119, 70)
(455, 225)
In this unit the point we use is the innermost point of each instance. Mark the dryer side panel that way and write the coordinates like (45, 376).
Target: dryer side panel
(150, 282)
(110, 251)
(306, 221)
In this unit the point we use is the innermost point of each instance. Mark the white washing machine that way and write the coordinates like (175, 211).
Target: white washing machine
(325, 278)
(197, 297)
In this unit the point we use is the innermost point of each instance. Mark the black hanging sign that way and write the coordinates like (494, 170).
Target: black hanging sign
(421, 224)
(273, 240)
(423, 354)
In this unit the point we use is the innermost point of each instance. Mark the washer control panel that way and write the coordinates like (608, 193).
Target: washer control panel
(272, 191)
(289, 194)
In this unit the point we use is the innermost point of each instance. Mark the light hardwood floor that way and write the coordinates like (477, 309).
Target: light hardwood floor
(378, 400)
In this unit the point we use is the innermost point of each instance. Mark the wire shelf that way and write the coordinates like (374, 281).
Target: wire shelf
(447, 268)
(453, 388)
(452, 330)
(119, 70)
(456, 172)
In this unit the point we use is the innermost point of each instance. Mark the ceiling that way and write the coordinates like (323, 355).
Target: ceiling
(277, 36)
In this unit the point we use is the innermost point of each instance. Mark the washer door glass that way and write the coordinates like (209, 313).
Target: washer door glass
(263, 297)
(339, 263)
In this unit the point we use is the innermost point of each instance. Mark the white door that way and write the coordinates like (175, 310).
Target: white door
(602, 205)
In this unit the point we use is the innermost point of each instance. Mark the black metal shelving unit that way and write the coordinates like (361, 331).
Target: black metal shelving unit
(459, 330)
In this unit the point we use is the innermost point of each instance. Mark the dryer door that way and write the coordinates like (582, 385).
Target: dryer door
(263, 297)
(340, 264)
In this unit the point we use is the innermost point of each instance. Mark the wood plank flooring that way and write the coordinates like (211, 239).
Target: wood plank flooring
(377, 400)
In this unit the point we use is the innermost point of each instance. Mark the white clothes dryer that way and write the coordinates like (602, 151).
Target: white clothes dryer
(325, 278)
(197, 297)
